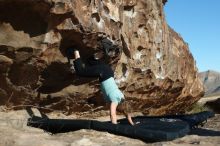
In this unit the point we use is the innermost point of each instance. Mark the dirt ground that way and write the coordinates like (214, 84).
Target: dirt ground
(14, 132)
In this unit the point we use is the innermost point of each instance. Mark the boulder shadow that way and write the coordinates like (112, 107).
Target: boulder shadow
(26, 16)
(57, 76)
(204, 132)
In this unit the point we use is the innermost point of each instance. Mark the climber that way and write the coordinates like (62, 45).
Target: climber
(110, 90)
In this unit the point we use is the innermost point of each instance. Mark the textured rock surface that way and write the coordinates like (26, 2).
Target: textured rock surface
(155, 68)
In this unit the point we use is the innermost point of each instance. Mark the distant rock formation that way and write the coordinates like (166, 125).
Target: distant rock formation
(211, 81)
(154, 68)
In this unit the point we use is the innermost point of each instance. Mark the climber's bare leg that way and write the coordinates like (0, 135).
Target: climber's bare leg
(113, 115)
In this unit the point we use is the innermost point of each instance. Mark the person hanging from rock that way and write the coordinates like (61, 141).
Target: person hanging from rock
(104, 72)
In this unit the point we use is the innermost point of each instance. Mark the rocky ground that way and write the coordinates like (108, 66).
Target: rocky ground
(204, 100)
(14, 132)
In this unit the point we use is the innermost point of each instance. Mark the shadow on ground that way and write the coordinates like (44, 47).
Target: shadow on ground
(204, 132)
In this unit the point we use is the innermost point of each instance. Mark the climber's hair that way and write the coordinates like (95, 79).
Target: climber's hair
(125, 108)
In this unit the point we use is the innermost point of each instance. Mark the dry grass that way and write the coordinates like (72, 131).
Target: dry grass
(196, 108)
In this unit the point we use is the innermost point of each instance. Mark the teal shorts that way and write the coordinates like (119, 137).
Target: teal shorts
(111, 92)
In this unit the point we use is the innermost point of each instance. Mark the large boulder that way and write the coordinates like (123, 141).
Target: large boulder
(154, 68)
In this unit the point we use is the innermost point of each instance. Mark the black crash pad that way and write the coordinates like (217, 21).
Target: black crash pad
(148, 128)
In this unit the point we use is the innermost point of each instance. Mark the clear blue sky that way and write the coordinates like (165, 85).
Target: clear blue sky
(198, 22)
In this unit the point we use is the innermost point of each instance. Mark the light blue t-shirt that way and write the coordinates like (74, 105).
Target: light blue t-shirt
(111, 92)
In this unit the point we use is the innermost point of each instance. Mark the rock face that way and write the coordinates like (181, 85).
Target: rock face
(211, 81)
(154, 68)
